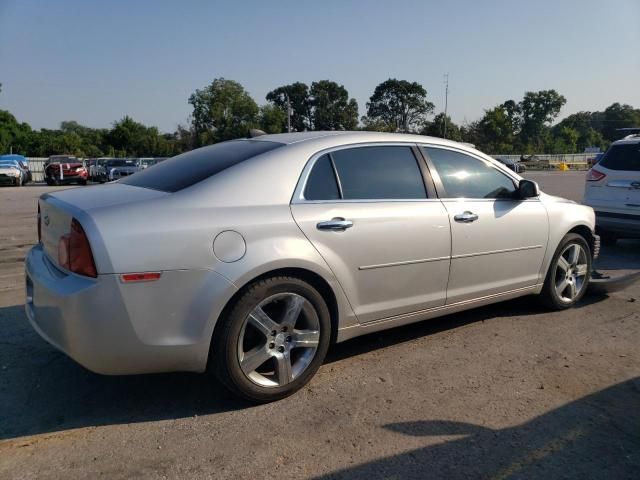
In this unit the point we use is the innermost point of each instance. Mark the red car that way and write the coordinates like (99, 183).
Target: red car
(73, 171)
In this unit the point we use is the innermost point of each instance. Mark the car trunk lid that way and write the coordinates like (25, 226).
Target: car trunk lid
(58, 209)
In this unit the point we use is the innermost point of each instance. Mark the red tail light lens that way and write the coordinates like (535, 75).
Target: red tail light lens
(74, 251)
(594, 175)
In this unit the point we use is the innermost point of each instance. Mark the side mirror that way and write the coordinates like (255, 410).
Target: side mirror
(528, 189)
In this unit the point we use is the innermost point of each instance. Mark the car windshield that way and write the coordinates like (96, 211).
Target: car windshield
(8, 163)
(625, 156)
(192, 167)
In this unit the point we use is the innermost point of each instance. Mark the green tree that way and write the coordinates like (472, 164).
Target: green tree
(401, 105)
(13, 134)
(617, 116)
(332, 107)
(496, 132)
(436, 128)
(131, 138)
(537, 110)
(299, 100)
(222, 111)
(583, 124)
(272, 119)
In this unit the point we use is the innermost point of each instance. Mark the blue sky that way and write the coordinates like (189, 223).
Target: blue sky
(95, 61)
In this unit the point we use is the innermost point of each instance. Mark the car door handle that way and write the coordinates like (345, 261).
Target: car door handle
(337, 224)
(466, 217)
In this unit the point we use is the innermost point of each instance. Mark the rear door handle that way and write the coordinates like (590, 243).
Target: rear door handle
(466, 217)
(336, 224)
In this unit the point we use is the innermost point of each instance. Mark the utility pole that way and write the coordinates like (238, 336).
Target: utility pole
(446, 101)
(288, 113)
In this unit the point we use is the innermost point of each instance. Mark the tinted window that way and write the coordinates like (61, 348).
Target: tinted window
(465, 176)
(622, 157)
(192, 167)
(379, 173)
(322, 184)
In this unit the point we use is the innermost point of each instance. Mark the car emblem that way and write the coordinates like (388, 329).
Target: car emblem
(46, 220)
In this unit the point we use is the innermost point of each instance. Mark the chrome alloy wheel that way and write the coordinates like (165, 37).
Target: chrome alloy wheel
(278, 340)
(571, 272)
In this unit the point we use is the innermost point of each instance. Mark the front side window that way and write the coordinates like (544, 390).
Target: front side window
(464, 176)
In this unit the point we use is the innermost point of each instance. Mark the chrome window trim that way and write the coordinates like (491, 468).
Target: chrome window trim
(298, 194)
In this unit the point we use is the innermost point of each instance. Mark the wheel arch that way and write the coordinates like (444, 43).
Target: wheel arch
(312, 278)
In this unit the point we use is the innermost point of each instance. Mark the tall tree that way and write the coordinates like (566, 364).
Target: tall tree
(537, 111)
(436, 128)
(617, 116)
(222, 111)
(272, 119)
(399, 104)
(297, 94)
(332, 107)
(583, 124)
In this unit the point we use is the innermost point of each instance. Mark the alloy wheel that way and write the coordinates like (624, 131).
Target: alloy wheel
(278, 340)
(571, 272)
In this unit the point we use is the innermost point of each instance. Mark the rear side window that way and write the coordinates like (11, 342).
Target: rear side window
(322, 183)
(622, 157)
(192, 167)
(377, 173)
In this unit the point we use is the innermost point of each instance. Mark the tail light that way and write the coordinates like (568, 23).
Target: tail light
(594, 175)
(74, 251)
(39, 225)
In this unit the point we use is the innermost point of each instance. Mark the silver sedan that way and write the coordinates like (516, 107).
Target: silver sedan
(249, 258)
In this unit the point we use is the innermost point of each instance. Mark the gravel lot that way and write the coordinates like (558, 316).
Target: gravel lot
(506, 391)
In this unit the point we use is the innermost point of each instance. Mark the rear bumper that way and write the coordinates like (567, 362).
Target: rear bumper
(117, 329)
(626, 225)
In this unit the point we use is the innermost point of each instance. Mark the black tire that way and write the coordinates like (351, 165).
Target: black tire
(82, 182)
(549, 296)
(223, 355)
(18, 182)
(48, 181)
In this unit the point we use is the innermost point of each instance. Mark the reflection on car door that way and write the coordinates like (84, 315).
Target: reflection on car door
(366, 211)
(498, 241)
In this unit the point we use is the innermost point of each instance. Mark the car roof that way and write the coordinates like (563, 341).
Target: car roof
(354, 137)
(634, 138)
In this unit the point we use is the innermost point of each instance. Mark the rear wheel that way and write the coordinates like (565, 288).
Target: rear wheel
(273, 340)
(568, 275)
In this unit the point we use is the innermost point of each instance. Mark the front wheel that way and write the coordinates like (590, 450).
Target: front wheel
(569, 273)
(273, 340)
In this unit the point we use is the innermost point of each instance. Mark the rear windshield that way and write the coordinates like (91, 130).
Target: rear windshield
(622, 157)
(192, 167)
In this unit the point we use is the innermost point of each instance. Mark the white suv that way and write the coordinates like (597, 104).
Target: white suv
(613, 190)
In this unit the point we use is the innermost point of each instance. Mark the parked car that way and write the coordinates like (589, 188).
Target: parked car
(612, 188)
(14, 172)
(65, 169)
(116, 168)
(248, 258)
(149, 162)
(23, 163)
(514, 165)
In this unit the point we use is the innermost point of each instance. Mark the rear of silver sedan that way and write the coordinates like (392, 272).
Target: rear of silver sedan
(105, 320)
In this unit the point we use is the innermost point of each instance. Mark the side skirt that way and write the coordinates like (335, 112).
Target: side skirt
(404, 319)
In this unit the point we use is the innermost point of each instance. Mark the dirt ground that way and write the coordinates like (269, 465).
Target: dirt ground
(506, 391)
